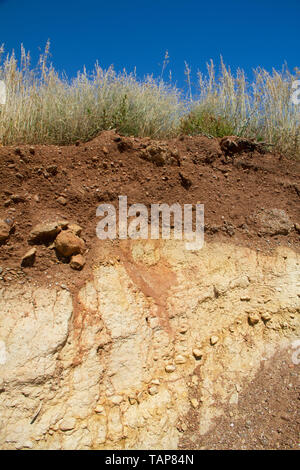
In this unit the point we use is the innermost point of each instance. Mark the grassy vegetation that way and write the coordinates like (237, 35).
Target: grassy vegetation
(45, 107)
(261, 110)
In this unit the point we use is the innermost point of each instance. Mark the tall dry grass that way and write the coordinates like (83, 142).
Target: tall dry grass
(45, 107)
(261, 110)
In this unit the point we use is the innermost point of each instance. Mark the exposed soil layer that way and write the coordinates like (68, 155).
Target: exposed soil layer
(47, 183)
(251, 199)
(267, 415)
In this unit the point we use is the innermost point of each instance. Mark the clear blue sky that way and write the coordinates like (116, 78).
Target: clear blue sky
(137, 33)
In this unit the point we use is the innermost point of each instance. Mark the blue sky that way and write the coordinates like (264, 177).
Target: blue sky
(137, 33)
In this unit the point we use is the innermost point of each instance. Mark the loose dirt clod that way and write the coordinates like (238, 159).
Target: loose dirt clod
(185, 181)
(273, 222)
(231, 145)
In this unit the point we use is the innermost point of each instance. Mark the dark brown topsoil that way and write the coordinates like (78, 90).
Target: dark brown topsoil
(48, 183)
(267, 415)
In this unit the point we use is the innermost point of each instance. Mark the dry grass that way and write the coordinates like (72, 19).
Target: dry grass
(261, 110)
(44, 107)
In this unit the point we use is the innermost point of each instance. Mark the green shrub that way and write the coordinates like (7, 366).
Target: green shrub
(201, 121)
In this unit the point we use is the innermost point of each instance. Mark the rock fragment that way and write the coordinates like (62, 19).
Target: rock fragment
(52, 170)
(99, 409)
(214, 340)
(67, 424)
(194, 402)
(266, 316)
(29, 258)
(297, 227)
(68, 244)
(155, 382)
(183, 329)
(170, 368)
(185, 181)
(245, 298)
(197, 353)
(62, 200)
(156, 154)
(160, 154)
(5, 229)
(232, 144)
(195, 380)
(77, 262)
(253, 319)
(44, 232)
(75, 228)
(116, 399)
(179, 359)
(17, 198)
(153, 390)
(273, 222)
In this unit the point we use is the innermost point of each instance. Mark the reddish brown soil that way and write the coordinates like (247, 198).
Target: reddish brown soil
(232, 190)
(267, 415)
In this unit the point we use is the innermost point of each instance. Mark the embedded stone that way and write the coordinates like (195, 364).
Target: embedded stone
(180, 359)
(68, 244)
(77, 262)
(214, 340)
(253, 318)
(153, 390)
(67, 424)
(4, 230)
(170, 368)
(266, 316)
(194, 403)
(197, 353)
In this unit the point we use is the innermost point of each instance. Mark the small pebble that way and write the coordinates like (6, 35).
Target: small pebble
(197, 353)
(214, 340)
(170, 368)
